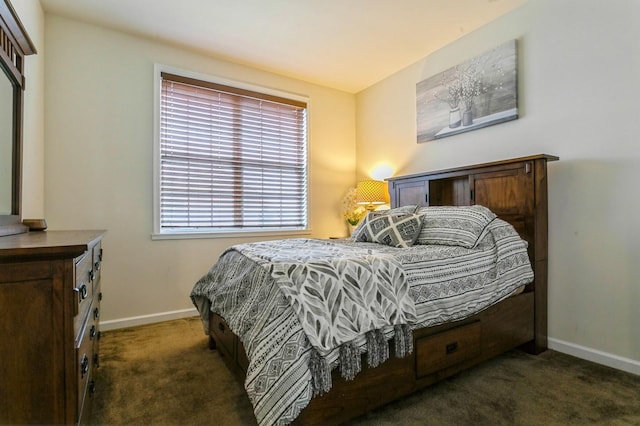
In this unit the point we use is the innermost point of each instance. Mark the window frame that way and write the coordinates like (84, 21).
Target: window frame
(160, 234)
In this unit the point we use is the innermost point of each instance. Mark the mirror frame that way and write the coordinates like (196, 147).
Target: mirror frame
(15, 44)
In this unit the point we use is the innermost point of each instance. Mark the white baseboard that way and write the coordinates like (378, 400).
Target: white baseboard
(610, 360)
(147, 319)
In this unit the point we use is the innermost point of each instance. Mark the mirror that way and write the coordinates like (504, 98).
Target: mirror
(6, 145)
(14, 46)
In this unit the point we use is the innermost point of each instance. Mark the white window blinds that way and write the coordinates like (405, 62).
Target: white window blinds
(230, 159)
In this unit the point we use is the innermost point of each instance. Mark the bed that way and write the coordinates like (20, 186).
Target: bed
(408, 345)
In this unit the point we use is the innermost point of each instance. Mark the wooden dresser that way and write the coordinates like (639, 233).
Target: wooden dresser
(49, 326)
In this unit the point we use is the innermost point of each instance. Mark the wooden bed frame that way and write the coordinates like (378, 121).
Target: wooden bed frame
(516, 190)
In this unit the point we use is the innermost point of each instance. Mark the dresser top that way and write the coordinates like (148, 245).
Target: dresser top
(47, 244)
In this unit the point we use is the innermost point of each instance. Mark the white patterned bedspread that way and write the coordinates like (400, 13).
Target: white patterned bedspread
(446, 284)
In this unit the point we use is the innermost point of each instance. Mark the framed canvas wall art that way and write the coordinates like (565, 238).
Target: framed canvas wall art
(477, 93)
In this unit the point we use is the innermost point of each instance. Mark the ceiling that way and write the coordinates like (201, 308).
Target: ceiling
(344, 44)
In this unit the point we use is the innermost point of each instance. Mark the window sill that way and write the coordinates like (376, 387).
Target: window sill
(227, 234)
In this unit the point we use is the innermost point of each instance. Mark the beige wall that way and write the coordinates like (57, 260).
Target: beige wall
(99, 128)
(579, 62)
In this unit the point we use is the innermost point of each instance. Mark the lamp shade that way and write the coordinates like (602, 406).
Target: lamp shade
(371, 192)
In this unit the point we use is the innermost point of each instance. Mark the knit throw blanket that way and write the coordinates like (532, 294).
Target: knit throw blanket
(338, 294)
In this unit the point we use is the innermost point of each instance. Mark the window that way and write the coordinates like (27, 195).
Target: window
(230, 159)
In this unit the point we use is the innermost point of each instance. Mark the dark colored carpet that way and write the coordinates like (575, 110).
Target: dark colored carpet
(164, 374)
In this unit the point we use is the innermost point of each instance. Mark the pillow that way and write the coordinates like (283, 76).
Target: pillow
(391, 230)
(409, 209)
(454, 225)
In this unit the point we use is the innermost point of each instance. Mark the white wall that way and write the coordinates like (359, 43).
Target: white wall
(32, 17)
(579, 80)
(99, 128)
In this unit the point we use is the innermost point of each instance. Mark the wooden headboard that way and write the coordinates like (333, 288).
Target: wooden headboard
(514, 189)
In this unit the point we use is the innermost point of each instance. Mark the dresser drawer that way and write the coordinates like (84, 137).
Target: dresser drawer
(83, 289)
(84, 363)
(97, 264)
(85, 414)
(448, 348)
(86, 393)
(94, 327)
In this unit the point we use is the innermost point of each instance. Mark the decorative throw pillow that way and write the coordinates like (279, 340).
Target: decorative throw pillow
(391, 230)
(453, 225)
(409, 209)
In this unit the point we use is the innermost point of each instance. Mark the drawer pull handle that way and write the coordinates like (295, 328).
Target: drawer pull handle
(82, 292)
(91, 275)
(96, 360)
(96, 313)
(100, 296)
(92, 332)
(97, 265)
(92, 387)
(84, 365)
(452, 347)
(100, 256)
(221, 326)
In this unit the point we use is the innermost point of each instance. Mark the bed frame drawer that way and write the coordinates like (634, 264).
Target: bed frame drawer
(225, 339)
(448, 348)
(241, 357)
